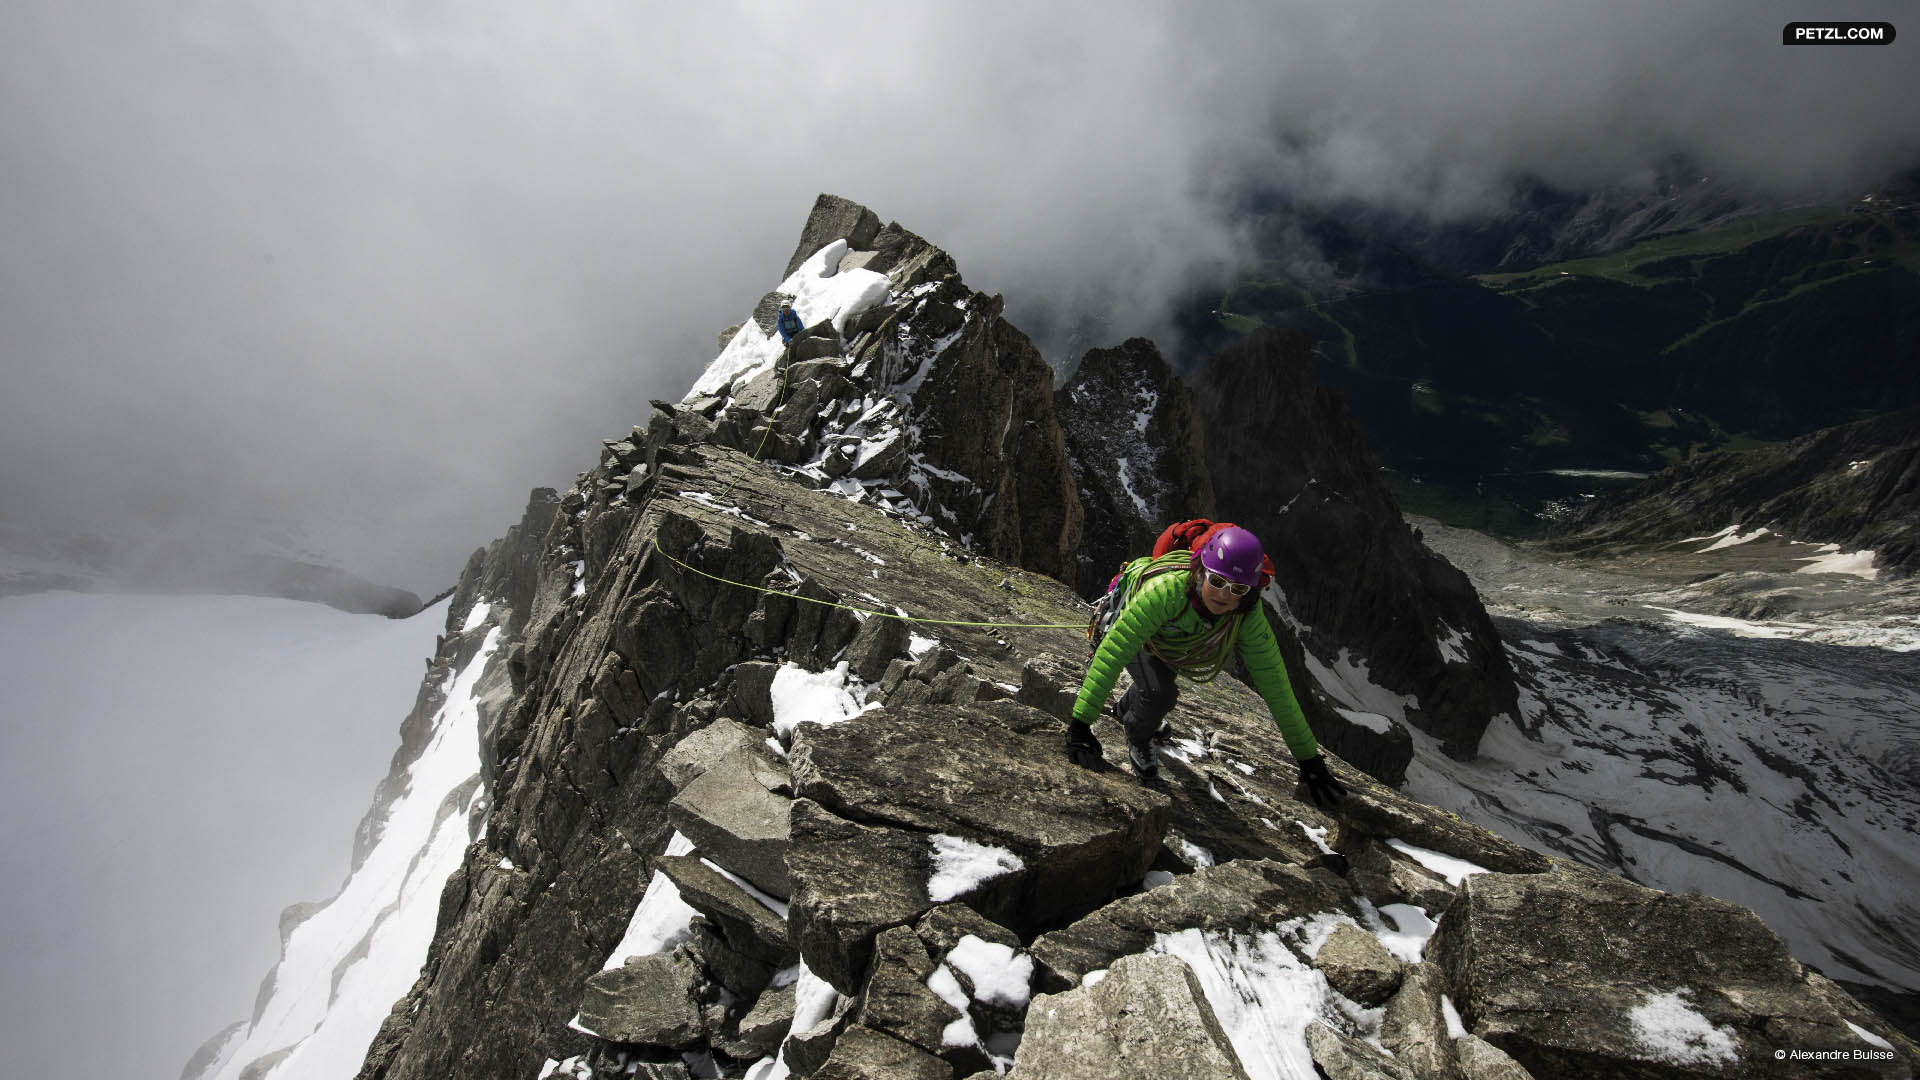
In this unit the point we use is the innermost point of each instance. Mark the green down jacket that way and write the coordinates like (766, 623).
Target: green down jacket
(1158, 615)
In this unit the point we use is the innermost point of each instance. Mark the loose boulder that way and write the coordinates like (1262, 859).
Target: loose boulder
(1579, 974)
(650, 1000)
(747, 924)
(1343, 1057)
(850, 882)
(952, 803)
(1148, 1017)
(1481, 1060)
(1357, 965)
(896, 1000)
(1415, 1026)
(834, 218)
(862, 1053)
(734, 820)
(1245, 895)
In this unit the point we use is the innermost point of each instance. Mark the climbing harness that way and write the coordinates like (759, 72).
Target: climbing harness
(1208, 655)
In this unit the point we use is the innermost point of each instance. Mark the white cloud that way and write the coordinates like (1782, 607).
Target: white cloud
(392, 265)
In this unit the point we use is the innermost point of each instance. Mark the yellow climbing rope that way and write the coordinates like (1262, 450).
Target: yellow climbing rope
(870, 611)
(786, 366)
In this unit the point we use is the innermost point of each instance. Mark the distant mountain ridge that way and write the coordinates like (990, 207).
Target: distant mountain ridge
(1856, 486)
(240, 563)
(1616, 330)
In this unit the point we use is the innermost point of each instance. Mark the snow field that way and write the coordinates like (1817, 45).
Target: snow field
(1825, 559)
(821, 292)
(343, 967)
(1731, 536)
(1762, 774)
(1348, 680)
(246, 732)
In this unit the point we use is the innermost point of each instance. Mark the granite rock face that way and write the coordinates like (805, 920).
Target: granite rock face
(648, 1000)
(927, 401)
(1138, 452)
(1357, 965)
(1580, 974)
(834, 218)
(1343, 1057)
(1147, 1018)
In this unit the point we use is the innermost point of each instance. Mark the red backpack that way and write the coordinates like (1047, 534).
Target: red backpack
(1194, 535)
(1184, 535)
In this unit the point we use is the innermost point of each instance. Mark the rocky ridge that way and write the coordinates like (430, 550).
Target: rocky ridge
(1854, 488)
(822, 870)
(909, 389)
(1138, 448)
(736, 818)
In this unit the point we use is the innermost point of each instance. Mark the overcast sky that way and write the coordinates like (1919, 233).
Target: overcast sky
(173, 774)
(379, 268)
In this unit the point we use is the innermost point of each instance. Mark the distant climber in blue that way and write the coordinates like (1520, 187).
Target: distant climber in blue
(1189, 609)
(790, 324)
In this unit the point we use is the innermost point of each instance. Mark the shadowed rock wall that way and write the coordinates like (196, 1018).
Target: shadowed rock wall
(1289, 463)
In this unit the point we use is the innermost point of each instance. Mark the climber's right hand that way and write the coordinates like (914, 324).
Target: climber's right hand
(1083, 749)
(1321, 787)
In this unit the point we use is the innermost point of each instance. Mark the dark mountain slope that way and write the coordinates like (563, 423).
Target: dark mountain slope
(1856, 486)
(1714, 331)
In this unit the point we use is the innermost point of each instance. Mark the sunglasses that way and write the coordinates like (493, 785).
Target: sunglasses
(1237, 588)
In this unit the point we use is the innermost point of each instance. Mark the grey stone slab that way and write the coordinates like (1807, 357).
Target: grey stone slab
(649, 1000)
(1357, 965)
(1148, 1017)
(734, 820)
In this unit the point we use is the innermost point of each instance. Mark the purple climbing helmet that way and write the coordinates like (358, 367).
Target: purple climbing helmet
(1234, 554)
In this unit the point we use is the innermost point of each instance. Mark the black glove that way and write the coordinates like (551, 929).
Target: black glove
(1320, 783)
(1083, 749)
